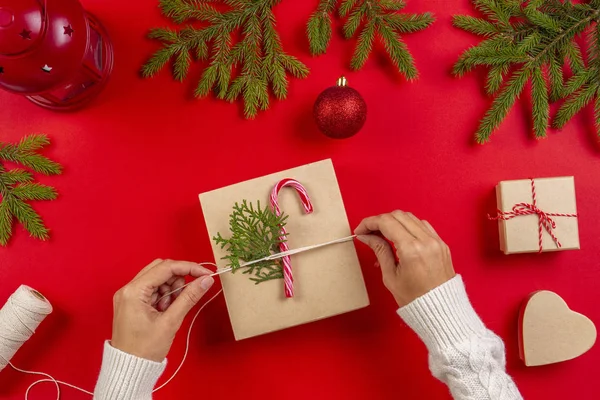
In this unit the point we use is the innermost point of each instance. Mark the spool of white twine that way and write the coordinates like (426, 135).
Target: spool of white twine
(23, 312)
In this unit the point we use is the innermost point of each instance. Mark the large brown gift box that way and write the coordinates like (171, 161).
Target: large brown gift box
(327, 281)
(554, 196)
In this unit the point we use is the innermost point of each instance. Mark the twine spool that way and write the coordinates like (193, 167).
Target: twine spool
(23, 312)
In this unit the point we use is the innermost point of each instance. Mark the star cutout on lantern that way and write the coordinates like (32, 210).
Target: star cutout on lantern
(46, 68)
(68, 30)
(25, 34)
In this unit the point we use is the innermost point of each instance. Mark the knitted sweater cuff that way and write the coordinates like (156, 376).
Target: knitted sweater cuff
(443, 317)
(126, 377)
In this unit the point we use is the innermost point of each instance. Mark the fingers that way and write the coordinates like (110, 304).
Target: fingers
(189, 297)
(383, 251)
(165, 270)
(148, 267)
(431, 230)
(412, 224)
(389, 227)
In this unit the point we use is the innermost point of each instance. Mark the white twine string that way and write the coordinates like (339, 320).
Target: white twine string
(23, 313)
(267, 258)
(26, 309)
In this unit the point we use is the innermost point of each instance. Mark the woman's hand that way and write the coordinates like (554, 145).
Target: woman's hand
(146, 327)
(424, 260)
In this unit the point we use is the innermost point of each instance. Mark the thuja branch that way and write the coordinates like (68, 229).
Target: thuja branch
(254, 234)
(17, 186)
(534, 40)
(259, 54)
(369, 20)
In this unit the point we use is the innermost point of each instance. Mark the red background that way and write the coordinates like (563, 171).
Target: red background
(136, 159)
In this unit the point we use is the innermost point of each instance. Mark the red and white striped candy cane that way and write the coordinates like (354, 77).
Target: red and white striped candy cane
(288, 277)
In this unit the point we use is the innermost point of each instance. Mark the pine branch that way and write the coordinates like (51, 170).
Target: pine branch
(17, 186)
(24, 153)
(318, 28)
(541, 106)
(369, 19)
(501, 105)
(263, 63)
(532, 37)
(255, 234)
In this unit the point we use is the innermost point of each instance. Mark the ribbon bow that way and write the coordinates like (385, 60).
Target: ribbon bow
(545, 220)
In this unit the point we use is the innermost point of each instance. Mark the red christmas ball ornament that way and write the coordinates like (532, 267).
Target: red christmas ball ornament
(53, 52)
(340, 111)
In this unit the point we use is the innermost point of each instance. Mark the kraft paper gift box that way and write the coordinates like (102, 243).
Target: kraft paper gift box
(554, 196)
(327, 281)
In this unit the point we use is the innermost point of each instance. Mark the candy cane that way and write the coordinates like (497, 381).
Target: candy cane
(288, 277)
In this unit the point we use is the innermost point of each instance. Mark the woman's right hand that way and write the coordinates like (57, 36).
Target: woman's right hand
(424, 260)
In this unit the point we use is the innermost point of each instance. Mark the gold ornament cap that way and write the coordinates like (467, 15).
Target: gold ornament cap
(342, 81)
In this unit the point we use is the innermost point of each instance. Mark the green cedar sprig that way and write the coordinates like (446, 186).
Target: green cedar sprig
(534, 41)
(262, 62)
(17, 186)
(374, 19)
(255, 234)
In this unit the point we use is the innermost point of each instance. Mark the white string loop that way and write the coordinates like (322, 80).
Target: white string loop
(23, 313)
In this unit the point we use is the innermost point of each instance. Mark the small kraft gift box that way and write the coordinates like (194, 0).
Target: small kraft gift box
(537, 215)
(327, 281)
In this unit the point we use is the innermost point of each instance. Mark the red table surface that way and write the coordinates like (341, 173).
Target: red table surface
(136, 159)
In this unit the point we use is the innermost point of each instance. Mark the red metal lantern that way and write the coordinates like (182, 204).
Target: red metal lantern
(53, 52)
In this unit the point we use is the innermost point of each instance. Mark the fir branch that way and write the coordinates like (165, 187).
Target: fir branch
(24, 153)
(478, 26)
(573, 105)
(263, 63)
(501, 105)
(533, 37)
(318, 28)
(541, 106)
(369, 20)
(17, 186)
(255, 234)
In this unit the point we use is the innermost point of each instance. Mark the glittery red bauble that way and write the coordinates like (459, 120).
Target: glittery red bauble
(340, 111)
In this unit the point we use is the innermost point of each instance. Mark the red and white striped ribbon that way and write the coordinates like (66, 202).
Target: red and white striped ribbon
(288, 277)
(545, 222)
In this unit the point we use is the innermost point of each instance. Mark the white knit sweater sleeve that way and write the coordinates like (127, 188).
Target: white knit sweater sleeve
(126, 377)
(463, 353)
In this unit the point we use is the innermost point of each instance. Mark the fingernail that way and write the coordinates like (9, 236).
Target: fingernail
(207, 282)
(377, 265)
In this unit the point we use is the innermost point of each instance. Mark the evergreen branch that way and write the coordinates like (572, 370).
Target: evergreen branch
(34, 191)
(255, 234)
(495, 78)
(369, 19)
(28, 217)
(24, 153)
(346, 7)
(408, 23)
(17, 186)
(398, 51)
(6, 223)
(474, 25)
(573, 105)
(555, 73)
(502, 105)
(15, 175)
(259, 54)
(533, 37)
(541, 106)
(364, 45)
(318, 28)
